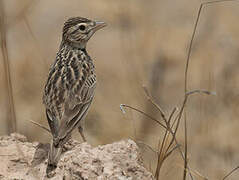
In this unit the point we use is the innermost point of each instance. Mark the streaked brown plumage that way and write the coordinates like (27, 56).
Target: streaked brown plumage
(70, 86)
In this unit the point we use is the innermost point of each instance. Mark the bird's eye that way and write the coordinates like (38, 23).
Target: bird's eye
(82, 27)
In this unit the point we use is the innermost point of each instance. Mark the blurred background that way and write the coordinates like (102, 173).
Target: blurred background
(145, 43)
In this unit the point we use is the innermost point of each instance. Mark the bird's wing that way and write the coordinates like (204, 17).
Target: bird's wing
(76, 107)
(53, 123)
(53, 98)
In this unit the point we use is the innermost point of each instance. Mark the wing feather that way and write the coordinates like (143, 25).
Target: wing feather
(68, 94)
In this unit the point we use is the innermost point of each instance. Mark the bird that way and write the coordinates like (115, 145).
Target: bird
(70, 86)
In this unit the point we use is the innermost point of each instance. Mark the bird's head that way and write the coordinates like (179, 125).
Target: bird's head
(77, 31)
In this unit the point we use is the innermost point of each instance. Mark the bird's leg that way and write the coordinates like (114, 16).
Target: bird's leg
(80, 129)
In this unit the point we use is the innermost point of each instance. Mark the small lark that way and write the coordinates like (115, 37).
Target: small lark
(70, 87)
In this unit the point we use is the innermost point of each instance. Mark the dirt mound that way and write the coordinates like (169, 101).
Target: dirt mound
(24, 160)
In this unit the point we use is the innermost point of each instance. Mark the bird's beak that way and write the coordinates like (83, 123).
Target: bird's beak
(99, 25)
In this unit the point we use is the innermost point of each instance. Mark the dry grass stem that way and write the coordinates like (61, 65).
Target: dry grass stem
(186, 78)
(148, 146)
(41, 126)
(145, 114)
(231, 172)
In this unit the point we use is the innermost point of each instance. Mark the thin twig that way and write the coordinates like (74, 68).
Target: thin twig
(41, 126)
(155, 120)
(149, 97)
(170, 152)
(185, 91)
(197, 174)
(186, 73)
(230, 173)
(159, 160)
(201, 92)
(167, 122)
(171, 115)
(185, 146)
(148, 146)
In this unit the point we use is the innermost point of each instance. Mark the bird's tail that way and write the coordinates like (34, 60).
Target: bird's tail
(53, 158)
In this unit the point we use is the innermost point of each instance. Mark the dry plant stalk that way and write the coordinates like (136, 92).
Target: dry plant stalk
(169, 142)
(41, 126)
(231, 172)
(166, 148)
(11, 116)
(186, 81)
